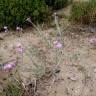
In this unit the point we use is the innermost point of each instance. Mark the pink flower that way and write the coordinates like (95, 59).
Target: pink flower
(18, 29)
(92, 40)
(57, 44)
(10, 65)
(19, 48)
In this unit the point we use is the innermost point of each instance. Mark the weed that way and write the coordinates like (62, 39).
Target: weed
(39, 71)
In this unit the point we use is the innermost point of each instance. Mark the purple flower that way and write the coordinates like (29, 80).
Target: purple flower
(19, 48)
(57, 44)
(10, 65)
(92, 40)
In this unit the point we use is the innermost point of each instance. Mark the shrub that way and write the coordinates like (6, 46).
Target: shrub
(15, 12)
(84, 12)
(56, 4)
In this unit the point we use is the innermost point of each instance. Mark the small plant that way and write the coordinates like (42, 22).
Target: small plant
(12, 89)
(39, 71)
(10, 86)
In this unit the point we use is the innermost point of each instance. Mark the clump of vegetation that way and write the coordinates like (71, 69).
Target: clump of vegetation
(84, 12)
(12, 90)
(40, 68)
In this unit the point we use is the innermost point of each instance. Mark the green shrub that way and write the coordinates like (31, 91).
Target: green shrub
(56, 4)
(84, 12)
(15, 12)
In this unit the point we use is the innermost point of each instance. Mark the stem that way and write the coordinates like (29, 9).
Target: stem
(57, 25)
(44, 38)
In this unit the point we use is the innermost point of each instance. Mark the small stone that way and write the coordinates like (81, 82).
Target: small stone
(57, 71)
(72, 78)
